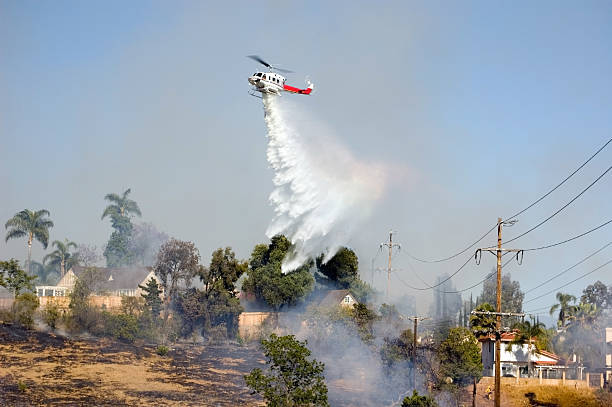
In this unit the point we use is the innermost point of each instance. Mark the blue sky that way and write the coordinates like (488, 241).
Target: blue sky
(478, 108)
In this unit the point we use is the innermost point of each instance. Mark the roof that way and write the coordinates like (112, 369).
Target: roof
(119, 278)
(334, 298)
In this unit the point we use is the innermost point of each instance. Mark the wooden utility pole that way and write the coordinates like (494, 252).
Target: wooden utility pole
(390, 245)
(413, 355)
(498, 314)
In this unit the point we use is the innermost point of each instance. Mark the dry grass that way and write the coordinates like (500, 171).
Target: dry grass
(562, 396)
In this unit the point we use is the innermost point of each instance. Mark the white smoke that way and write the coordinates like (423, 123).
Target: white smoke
(321, 191)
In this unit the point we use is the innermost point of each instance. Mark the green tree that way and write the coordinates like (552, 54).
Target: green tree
(292, 379)
(34, 225)
(460, 357)
(152, 297)
(397, 349)
(120, 210)
(15, 279)
(512, 296)
(216, 304)
(597, 294)
(419, 401)
(565, 307)
(527, 333)
(177, 264)
(61, 256)
(267, 281)
(83, 315)
(483, 324)
(342, 268)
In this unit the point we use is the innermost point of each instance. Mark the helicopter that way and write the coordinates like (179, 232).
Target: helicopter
(271, 82)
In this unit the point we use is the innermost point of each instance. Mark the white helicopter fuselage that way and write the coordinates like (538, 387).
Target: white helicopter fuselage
(267, 82)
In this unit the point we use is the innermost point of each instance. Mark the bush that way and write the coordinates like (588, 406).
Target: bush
(23, 309)
(50, 315)
(121, 326)
(419, 401)
(162, 350)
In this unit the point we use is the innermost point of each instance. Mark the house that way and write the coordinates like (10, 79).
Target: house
(515, 358)
(335, 298)
(123, 282)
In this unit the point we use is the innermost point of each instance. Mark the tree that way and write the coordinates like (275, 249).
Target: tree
(460, 357)
(597, 294)
(266, 280)
(512, 296)
(342, 268)
(16, 279)
(566, 309)
(483, 324)
(177, 263)
(397, 349)
(152, 297)
(419, 401)
(84, 316)
(120, 210)
(46, 274)
(61, 256)
(216, 304)
(87, 255)
(34, 225)
(292, 379)
(527, 333)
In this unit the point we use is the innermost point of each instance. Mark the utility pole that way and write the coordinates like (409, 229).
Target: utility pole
(416, 320)
(390, 245)
(497, 251)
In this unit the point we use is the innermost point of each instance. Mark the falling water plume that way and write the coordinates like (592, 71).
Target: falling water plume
(321, 192)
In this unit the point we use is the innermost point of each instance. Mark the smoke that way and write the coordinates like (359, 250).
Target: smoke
(321, 191)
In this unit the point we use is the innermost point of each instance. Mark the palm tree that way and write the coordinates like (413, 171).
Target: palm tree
(46, 275)
(527, 333)
(586, 315)
(121, 205)
(61, 256)
(566, 310)
(34, 225)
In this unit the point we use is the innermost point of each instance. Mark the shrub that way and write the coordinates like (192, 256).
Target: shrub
(419, 401)
(50, 315)
(23, 309)
(22, 386)
(162, 350)
(121, 326)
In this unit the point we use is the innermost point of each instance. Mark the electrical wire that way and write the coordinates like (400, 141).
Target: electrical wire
(562, 208)
(489, 276)
(570, 239)
(519, 212)
(573, 281)
(570, 268)
(439, 283)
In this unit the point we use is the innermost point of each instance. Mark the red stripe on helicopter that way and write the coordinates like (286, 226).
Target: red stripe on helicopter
(297, 90)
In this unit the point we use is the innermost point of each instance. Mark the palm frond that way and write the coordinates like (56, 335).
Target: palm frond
(14, 234)
(112, 197)
(126, 193)
(42, 235)
(41, 212)
(110, 211)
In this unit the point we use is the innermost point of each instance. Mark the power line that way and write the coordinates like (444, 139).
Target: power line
(570, 239)
(573, 281)
(562, 182)
(519, 212)
(443, 281)
(570, 268)
(562, 208)
(478, 283)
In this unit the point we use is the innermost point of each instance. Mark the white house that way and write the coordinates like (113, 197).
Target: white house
(609, 347)
(123, 281)
(515, 358)
(334, 298)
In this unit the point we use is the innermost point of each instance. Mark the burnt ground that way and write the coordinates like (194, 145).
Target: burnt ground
(39, 368)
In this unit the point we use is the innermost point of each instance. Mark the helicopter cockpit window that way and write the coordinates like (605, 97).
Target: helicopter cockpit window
(264, 76)
(258, 74)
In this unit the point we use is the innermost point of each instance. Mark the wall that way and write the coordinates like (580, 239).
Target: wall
(249, 323)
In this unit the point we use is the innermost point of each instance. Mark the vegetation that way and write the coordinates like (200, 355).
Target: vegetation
(292, 379)
(565, 309)
(460, 357)
(483, 324)
(152, 297)
(61, 256)
(526, 333)
(30, 224)
(511, 298)
(120, 210)
(266, 280)
(162, 350)
(342, 271)
(419, 401)
(15, 279)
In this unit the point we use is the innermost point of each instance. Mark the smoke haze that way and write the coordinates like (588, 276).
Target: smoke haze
(321, 192)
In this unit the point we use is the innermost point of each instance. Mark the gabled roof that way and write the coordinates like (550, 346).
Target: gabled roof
(120, 278)
(334, 298)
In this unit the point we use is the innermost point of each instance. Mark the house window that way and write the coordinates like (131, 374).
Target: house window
(40, 292)
(347, 299)
(49, 292)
